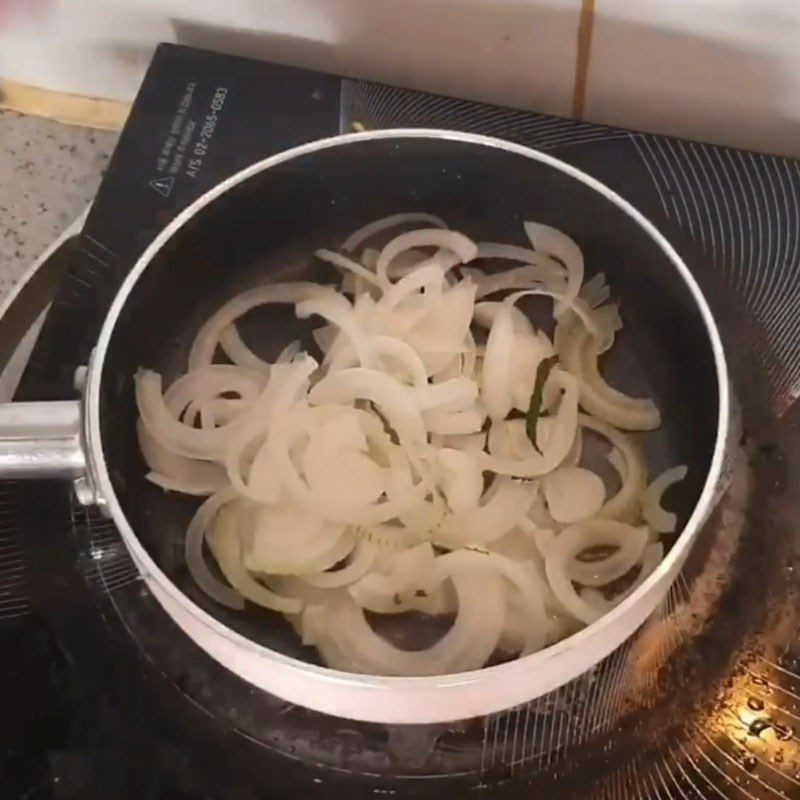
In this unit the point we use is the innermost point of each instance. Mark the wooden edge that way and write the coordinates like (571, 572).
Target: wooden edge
(73, 109)
(585, 30)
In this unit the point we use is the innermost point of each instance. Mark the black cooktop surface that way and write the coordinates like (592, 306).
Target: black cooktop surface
(102, 696)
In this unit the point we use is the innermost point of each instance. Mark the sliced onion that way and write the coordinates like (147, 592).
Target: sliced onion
(314, 545)
(656, 517)
(369, 258)
(460, 478)
(405, 581)
(538, 515)
(576, 305)
(576, 453)
(238, 352)
(496, 377)
(336, 468)
(410, 260)
(372, 228)
(466, 442)
(171, 484)
(510, 252)
(177, 437)
(516, 545)
(529, 350)
(428, 277)
(325, 336)
(546, 274)
(521, 575)
(392, 349)
(338, 311)
(205, 343)
(178, 473)
(608, 321)
(602, 400)
(397, 358)
(467, 645)
(561, 554)
(549, 268)
(595, 291)
(617, 460)
(486, 312)
(207, 383)
(543, 538)
(360, 383)
(347, 264)
(454, 423)
(624, 505)
(573, 493)
(329, 485)
(339, 510)
(193, 547)
(226, 547)
(361, 561)
(457, 394)
(442, 331)
(456, 242)
(652, 556)
(560, 441)
(501, 511)
(603, 571)
(554, 243)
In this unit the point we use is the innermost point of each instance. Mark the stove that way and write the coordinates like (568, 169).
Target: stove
(102, 696)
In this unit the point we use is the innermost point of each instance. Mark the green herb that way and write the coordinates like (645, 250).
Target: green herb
(397, 599)
(420, 593)
(535, 406)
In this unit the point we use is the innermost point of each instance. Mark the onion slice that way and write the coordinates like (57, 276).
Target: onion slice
(456, 242)
(561, 553)
(554, 243)
(193, 549)
(369, 230)
(205, 343)
(625, 504)
(226, 546)
(657, 518)
(403, 472)
(573, 493)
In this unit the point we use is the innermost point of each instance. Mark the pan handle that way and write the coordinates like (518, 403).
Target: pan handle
(41, 440)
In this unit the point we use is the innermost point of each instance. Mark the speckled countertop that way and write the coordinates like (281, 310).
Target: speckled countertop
(48, 173)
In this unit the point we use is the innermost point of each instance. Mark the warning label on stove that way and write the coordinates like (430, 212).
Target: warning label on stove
(188, 141)
(163, 185)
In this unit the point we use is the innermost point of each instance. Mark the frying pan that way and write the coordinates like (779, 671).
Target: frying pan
(263, 224)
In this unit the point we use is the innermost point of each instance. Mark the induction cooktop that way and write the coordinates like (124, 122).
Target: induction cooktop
(102, 696)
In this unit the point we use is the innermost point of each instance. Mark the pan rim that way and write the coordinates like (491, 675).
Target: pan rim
(573, 655)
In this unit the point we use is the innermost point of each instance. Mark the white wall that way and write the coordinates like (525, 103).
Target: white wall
(726, 71)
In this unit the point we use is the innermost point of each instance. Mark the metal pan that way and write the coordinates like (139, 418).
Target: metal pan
(263, 224)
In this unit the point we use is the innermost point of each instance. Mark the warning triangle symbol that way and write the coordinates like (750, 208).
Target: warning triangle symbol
(163, 185)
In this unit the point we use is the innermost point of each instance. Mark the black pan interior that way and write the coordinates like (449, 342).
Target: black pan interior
(267, 228)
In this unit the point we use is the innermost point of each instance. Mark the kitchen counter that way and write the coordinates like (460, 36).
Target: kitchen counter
(49, 172)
